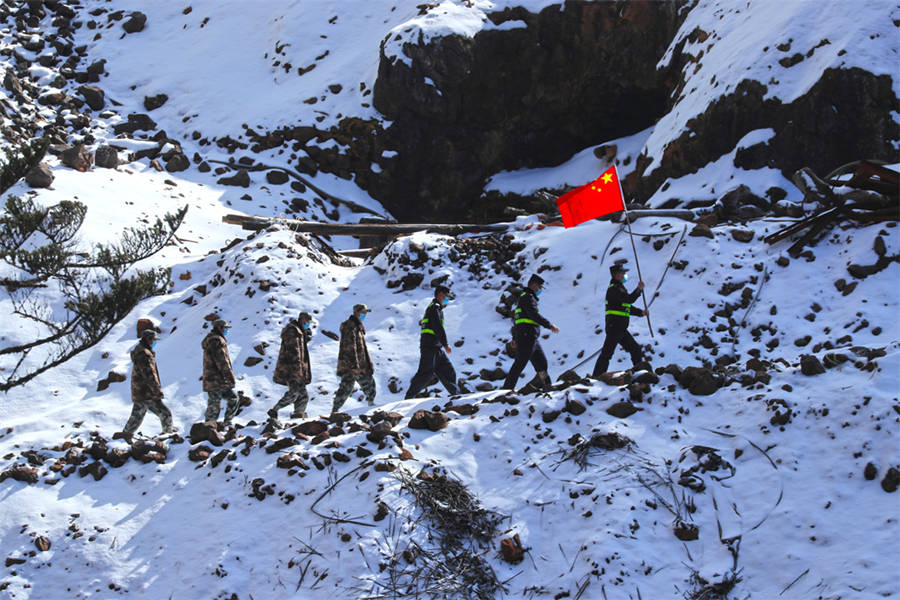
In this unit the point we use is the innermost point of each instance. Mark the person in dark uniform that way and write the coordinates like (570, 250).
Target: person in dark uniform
(618, 310)
(526, 329)
(433, 348)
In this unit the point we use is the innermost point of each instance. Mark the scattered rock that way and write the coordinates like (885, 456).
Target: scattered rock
(154, 102)
(810, 365)
(96, 469)
(239, 179)
(742, 235)
(206, 431)
(426, 419)
(548, 416)
(20, 473)
(78, 157)
(200, 453)
(177, 162)
(701, 230)
(575, 407)
(700, 381)
(42, 543)
(870, 472)
(622, 409)
(39, 176)
(686, 532)
(252, 361)
(891, 480)
(106, 156)
(93, 96)
(135, 23)
(511, 549)
(310, 428)
(276, 177)
(497, 374)
(135, 121)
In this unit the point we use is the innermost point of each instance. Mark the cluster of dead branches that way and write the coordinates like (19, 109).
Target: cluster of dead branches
(459, 532)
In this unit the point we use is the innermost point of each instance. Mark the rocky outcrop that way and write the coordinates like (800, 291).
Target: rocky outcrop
(513, 98)
(845, 116)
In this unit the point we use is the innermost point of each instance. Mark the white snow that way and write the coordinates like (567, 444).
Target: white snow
(797, 519)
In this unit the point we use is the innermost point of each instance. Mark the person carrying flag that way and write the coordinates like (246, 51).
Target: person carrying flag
(526, 328)
(432, 347)
(618, 310)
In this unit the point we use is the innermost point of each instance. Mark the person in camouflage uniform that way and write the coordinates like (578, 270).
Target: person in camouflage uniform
(354, 364)
(146, 391)
(292, 368)
(218, 376)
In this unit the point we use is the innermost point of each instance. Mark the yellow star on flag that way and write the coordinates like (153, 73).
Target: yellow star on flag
(607, 178)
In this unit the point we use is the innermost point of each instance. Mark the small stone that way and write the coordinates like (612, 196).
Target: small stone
(891, 480)
(742, 235)
(42, 543)
(870, 472)
(106, 156)
(622, 409)
(701, 230)
(810, 365)
(135, 23)
(154, 102)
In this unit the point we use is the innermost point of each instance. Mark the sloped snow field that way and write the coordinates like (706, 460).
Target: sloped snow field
(776, 475)
(787, 501)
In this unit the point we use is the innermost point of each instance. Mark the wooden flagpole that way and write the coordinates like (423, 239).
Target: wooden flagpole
(633, 248)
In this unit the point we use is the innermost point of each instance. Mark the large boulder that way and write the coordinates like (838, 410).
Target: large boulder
(39, 176)
(78, 157)
(106, 156)
(93, 96)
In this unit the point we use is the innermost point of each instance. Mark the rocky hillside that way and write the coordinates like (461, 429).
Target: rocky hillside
(422, 110)
(754, 456)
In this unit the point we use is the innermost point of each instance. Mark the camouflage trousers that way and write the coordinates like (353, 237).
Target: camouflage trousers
(214, 404)
(156, 406)
(366, 383)
(295, 395)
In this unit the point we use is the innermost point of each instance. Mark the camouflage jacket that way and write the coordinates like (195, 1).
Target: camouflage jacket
(217, 372)
(353, 354)
(293, 358)
(145, 384)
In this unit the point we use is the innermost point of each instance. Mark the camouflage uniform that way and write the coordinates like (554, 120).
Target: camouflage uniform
(146, 391)
(354, 364)
(218, 377)
(292, 368)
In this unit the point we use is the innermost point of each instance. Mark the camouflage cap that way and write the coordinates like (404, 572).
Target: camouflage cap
(221, 324)
(149, 334)
(304, 315)
(361, 308)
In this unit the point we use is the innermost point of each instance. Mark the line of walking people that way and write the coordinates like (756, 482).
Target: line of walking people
(355, 366)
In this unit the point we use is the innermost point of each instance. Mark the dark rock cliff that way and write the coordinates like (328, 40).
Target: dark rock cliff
(522, 97)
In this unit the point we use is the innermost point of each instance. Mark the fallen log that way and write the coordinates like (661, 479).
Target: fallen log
(373, 229)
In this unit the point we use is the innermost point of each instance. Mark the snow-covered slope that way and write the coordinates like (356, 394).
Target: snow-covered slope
(183, 530)
(771, 466)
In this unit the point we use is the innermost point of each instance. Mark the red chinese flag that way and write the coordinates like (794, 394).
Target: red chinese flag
(600, 197)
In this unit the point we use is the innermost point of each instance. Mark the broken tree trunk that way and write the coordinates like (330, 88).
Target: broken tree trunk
(373, 229)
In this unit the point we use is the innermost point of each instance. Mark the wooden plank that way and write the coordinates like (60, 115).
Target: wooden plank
(377, 229)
